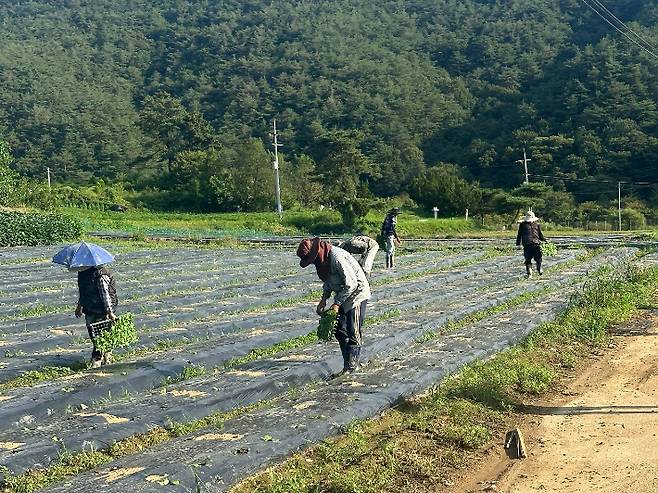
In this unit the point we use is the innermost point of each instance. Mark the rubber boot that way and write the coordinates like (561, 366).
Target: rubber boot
(392, 261)
(344, 350)
(96, 358)
(528, 271)
(388, 261)
(539, 269)
(354, 353)
(107, 358)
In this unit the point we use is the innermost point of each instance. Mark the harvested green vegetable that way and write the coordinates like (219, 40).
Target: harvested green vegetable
(327, 325)
(549, 249)
(122, 333)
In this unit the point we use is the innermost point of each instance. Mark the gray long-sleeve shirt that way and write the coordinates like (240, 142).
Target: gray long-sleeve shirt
(347, 280)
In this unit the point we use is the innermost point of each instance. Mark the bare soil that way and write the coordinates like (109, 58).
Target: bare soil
(597, 434)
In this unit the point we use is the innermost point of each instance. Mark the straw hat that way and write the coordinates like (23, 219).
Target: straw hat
(529, 217)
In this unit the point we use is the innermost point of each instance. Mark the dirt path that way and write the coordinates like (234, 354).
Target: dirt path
(602, 437)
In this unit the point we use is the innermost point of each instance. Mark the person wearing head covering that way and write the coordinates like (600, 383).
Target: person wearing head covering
(363, 245)
(390, 235)
(98, 301)
(530, 236)
(343, 277)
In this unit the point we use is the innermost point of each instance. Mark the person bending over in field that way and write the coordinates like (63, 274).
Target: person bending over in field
(344, 277)
(390, 235)
(98, 301)
(363, 245)
(530, 236)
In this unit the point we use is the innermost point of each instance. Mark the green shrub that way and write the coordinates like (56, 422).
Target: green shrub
(37, 228)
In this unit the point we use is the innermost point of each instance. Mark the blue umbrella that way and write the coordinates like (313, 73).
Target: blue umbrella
(83, 255)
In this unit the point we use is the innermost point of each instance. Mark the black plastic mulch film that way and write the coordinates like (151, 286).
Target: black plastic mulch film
(94, 408)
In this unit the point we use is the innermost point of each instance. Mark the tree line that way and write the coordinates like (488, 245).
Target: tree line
(174, 100)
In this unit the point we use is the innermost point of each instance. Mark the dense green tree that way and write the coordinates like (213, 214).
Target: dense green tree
(552, 205)
(8, 177)
(120, 89)
(343, 169)
(172, 127)
(442, 187)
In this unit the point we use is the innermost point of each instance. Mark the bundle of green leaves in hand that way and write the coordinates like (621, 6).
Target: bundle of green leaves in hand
(122, 333)
(327, 325)
(549, 249)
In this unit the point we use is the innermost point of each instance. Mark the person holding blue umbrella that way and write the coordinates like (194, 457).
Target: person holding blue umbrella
(97, 291)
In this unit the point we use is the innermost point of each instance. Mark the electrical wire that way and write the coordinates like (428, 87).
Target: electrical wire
(650, 52)
(647, 43)
(589, 180)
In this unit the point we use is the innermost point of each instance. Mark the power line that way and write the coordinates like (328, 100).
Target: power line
(647, 43)
(594, 181)
(650, 51)
(619, 30)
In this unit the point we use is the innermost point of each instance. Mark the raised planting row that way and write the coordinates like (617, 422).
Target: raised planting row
(60, 339)
(44, 282)
(185, 455)
(425, 304)
(236, 335)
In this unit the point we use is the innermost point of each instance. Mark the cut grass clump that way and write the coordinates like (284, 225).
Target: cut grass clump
(549, 249)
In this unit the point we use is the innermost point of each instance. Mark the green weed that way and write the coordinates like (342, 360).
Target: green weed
(189, 372)
(33, 377)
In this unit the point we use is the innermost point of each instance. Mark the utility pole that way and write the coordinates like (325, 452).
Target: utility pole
(619, 203)
(279, 207)
(48, 173)
(524, 161)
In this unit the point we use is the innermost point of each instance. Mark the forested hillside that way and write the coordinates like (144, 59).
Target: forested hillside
(180, 95)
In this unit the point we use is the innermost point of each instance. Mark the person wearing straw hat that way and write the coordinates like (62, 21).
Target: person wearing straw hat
(530, 236)
(390, 235)
(344, 277)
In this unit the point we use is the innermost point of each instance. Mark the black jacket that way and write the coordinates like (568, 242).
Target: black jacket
(529, 234)
(95, 295)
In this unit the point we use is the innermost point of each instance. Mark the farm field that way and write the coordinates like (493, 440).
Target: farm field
(228, 376)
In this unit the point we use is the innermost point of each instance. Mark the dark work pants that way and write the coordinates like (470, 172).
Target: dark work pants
(91, 318)
(532, 252)
(348, 331)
